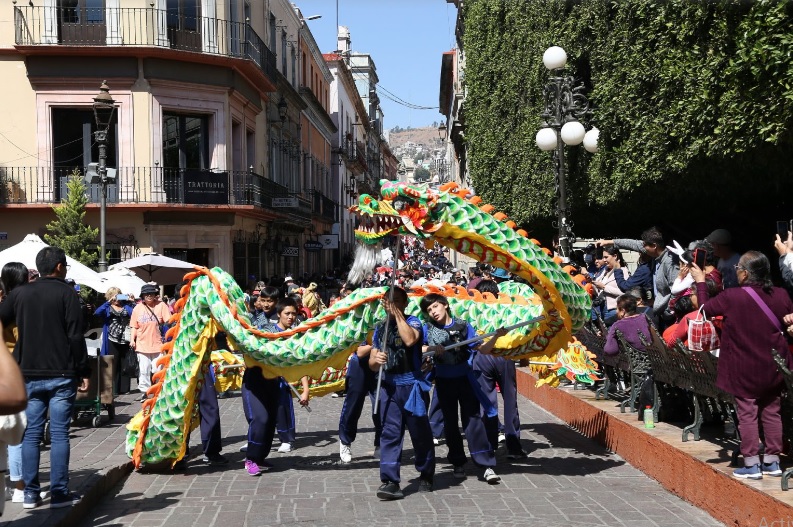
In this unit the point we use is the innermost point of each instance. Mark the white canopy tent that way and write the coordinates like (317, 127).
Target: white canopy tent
(26, 251)
(124, 279)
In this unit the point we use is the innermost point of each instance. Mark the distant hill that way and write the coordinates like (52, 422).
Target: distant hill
(426, 135)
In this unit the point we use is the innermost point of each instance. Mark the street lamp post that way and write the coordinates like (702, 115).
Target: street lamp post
(104, 106)
(565, 106)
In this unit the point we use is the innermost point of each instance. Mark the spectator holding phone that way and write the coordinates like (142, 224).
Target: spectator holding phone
(607, 283)
(785, 250)
(116, 314)
(663, 266)
(754, 317)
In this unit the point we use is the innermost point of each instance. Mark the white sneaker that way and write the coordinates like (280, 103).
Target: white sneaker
(345, 453)
(18, 497)
(285, 447)
(501, 438)
(436, 441)
(491, 476)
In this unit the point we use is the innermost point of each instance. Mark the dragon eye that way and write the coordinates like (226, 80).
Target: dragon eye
(400, 203)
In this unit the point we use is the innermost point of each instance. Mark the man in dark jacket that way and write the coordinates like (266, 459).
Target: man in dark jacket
(52, 355)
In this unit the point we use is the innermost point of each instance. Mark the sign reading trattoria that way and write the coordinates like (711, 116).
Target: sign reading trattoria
(202, 187)
(284, 202)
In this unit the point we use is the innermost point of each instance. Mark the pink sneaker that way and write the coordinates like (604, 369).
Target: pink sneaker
(252, 468)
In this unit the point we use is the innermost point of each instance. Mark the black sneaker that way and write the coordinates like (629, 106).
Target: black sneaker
(518, 455)
(58, 501)
(459, 472)
(180, 465)
(216, 459)
(425, 485)
(390, 491)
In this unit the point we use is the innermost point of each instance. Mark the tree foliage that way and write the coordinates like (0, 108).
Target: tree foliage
(69, 231)
(421, 174)
(693, 100)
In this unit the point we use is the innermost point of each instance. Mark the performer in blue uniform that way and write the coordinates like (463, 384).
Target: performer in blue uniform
(403, 397)
(456, 386)
(500, 370)
(360, 382)
(262, 397)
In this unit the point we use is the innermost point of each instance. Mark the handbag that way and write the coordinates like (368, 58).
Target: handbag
(129, 364)
(702, 334)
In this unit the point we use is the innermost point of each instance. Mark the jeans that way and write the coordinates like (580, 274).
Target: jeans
(15, 462)
(55, 394)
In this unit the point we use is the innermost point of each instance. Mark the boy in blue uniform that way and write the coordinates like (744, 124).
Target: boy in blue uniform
(360, 381)
(262, 398)
(456, 386)
(403, 397)
(500, 370)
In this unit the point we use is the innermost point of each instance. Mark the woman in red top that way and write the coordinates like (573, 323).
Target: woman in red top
(753, 326)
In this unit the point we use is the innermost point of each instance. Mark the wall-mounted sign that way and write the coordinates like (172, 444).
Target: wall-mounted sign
(3, 235)
(313, 246)
(284, 202)
(329, 241)
(202, 187)
(290, 251)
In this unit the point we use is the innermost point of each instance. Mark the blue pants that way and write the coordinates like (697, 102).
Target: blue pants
(210, 416)
(502, 371)
(55, 394)
(459, 392)
(285, 415)
(395, 420)
(436, 416)
(260, 404)
(359, 383)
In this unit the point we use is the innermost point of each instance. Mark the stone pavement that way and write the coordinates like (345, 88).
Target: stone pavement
(567, 480)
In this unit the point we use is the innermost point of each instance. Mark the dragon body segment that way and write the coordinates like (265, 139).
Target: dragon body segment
(211, 301)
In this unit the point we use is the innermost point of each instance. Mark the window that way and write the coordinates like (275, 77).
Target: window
(73, 144)
(272, 32)
(283, 53)
(183, 24)
(81, 21)
(184, 141)
(294, 68)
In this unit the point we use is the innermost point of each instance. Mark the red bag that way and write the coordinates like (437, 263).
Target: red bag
(702, 334)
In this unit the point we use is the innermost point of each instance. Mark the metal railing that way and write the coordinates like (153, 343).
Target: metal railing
(86, 26)
(323, 206)
(26, 185)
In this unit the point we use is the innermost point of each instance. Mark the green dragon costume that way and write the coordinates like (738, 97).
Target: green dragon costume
(211, 301)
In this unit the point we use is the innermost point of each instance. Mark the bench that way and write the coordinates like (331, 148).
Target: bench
(787, 408)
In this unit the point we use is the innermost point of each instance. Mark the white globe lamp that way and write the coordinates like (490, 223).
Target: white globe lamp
(554, 58)
(591, 140)
(573, 133)
(546, 139)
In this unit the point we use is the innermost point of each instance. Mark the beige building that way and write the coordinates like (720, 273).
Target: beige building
(220, 147)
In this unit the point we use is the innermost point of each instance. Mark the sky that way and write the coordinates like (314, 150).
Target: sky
(405, 38)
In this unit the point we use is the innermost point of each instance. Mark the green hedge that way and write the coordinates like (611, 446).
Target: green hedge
(693, 100)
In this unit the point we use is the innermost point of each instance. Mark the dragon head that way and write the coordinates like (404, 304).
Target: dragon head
(404, 209)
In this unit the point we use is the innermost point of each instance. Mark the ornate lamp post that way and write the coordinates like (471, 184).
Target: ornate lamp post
(565, 106)
(104, 107)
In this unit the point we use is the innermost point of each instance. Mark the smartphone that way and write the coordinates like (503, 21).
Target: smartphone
(699, 258)
(782, 227)
(599, 252)
(122, 298)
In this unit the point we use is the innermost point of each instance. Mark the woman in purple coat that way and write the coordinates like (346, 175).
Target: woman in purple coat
(753, 326)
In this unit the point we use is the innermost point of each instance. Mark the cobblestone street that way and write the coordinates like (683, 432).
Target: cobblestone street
(567, 480)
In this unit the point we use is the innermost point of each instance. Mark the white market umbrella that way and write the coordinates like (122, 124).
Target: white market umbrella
(27, 250)
(154, 267)
(124, 279)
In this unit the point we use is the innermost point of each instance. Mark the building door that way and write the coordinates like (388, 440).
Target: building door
(73, 148)
(184, 24)
(82, 22)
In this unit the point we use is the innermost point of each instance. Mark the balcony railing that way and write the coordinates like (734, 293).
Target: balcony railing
(87, 26)
(324, 206)
(133, 185)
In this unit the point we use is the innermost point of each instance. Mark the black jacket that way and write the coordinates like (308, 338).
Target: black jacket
(50, 321)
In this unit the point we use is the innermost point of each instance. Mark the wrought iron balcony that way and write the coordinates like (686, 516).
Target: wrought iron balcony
(140, 27)
(153, 185)
(323, 206)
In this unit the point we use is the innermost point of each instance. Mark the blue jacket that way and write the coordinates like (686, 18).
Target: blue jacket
(642, 277)
(104, 312)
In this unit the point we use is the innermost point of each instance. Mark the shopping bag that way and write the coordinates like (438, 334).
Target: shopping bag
(702, 334)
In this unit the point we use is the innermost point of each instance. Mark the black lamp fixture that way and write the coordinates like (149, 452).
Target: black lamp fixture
(282, 109)
(103, 106)
(442, 131)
